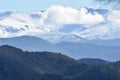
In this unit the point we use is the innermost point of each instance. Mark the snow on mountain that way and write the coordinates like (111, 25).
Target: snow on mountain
(100, 32)
(59, 24)
(62, 37)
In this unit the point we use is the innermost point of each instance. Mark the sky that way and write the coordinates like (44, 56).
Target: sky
(39, 5)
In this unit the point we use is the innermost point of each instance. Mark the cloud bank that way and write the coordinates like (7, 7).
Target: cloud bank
(93, 24)
(66, 15)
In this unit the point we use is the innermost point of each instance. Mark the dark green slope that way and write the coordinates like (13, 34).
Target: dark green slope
(93, 61)
(101, 72)
(16, 64)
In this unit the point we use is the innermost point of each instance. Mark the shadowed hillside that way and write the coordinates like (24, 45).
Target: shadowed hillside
(16, 64)
(93, 61)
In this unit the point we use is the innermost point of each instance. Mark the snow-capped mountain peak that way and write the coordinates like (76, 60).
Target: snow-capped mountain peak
(59, 23)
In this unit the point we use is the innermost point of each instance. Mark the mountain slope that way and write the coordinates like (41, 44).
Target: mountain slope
(93, 61)
(75, 50)
(29, 43)
(108, 42)
(87, 50)
(101, 72)
(16, 64)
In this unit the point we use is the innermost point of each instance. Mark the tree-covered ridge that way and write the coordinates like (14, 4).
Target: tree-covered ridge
(16, 64)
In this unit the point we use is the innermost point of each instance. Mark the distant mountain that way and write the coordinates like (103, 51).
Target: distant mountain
(75, 50)
(5, 14)
(58, 37)
(88, 50)
(29, 43)
(108, 42)
(16, 64)
(93, 61)
(14, 24)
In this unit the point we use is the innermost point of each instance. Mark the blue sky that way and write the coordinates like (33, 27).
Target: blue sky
(35, 5)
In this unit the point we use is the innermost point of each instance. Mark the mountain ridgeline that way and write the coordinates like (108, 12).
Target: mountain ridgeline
(99, 49)
(93, 61)
(16, 64)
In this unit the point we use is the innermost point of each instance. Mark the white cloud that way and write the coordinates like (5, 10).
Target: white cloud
(55, 17)
(114, 17)
(108, 30)
(60, 15)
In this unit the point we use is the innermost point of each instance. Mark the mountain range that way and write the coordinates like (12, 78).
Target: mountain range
(75, 50)
(60, 43)
(51, 25)
(16, 64)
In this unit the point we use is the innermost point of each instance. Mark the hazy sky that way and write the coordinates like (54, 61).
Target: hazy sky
(34, 5)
